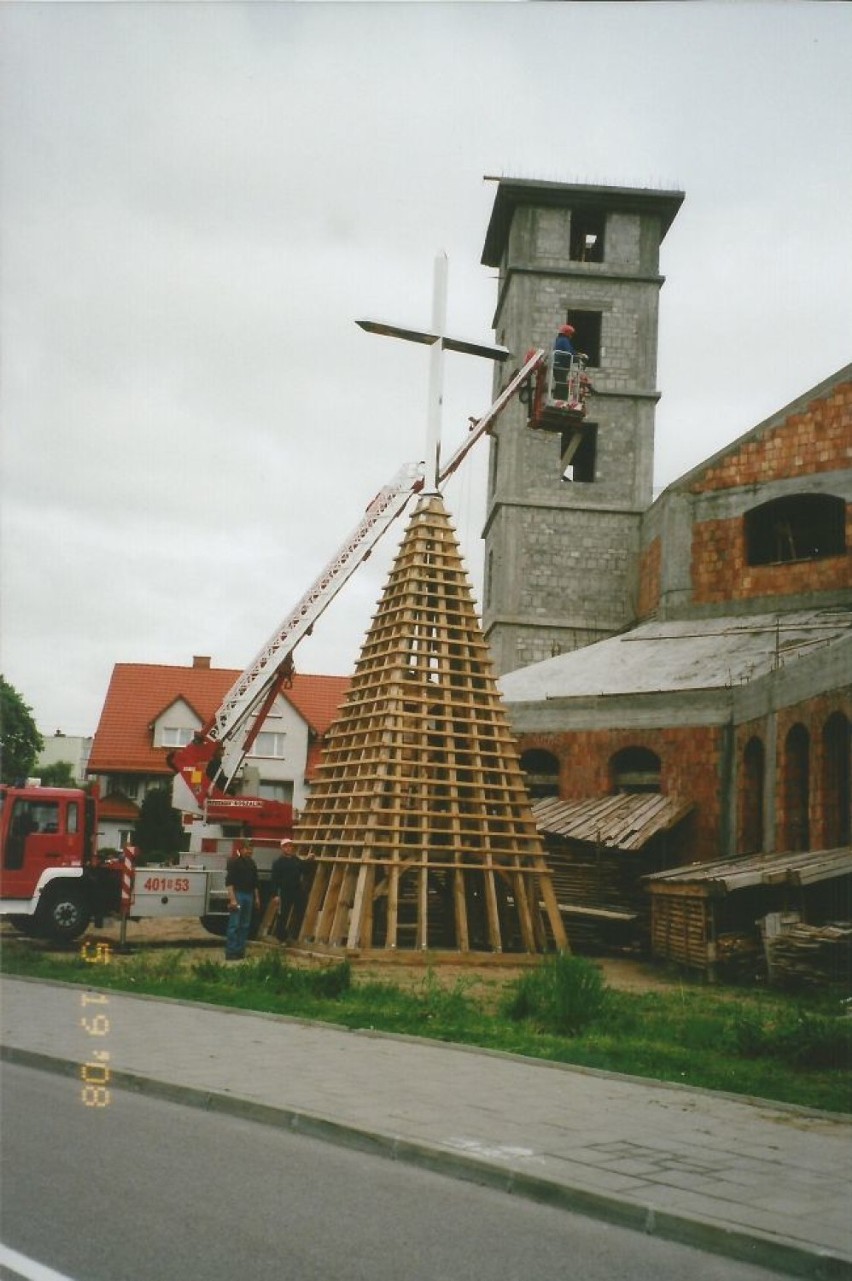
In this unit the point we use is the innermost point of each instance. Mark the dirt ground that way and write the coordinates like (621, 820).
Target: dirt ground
(190, 937)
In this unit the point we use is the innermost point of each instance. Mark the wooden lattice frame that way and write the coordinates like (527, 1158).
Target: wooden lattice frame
(419, 819)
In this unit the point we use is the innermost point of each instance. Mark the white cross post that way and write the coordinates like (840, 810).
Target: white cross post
(437, 339)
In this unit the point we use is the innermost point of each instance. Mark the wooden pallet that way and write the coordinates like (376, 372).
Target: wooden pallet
(419, 818)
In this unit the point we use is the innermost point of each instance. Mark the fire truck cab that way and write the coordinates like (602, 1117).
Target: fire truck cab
(51, 881)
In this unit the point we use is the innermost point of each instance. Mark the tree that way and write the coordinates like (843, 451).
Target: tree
(159, 830)
(20, 741)
(59, 774)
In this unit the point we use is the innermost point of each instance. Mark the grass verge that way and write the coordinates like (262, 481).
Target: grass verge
(750, 1042)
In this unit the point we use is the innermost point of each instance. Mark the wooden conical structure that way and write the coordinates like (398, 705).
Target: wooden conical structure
(419, 818)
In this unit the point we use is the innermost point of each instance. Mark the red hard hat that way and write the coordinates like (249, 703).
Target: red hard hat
(567, 329)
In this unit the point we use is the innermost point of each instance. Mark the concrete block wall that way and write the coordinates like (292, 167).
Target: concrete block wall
(563, 553)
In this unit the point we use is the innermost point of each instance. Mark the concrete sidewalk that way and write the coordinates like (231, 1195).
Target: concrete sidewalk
(759, 1181)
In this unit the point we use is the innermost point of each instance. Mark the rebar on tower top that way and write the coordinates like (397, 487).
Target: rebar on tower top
(419, 818)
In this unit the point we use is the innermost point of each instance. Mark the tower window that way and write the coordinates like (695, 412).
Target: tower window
(587, 235)
(579, 454)
(587, 333)
(799, 527)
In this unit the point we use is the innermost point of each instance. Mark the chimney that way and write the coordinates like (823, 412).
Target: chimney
(201, 660)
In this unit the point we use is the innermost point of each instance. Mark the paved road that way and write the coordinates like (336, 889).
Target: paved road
(177, 1192)
(762, 1182)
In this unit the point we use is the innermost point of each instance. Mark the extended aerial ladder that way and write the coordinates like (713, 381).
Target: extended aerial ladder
(206, 768)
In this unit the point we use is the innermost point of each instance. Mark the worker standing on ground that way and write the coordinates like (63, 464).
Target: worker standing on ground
(287, 887)
(241, 882)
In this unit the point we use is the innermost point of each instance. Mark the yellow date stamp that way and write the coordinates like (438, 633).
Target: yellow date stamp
(95, 1072)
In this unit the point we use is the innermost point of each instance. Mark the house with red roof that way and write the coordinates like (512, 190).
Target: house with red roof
(151, 708)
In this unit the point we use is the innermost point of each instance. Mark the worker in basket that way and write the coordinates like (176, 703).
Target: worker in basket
(564, 353)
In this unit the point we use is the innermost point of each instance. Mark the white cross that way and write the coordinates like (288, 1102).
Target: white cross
(438, 340)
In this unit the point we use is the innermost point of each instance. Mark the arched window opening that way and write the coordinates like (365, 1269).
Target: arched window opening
(798, 527)
(797, 834)
(635, 769)
(751, 798)
(836, 770)
(542, 772)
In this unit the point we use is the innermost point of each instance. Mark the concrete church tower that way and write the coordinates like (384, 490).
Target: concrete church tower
(562, 539)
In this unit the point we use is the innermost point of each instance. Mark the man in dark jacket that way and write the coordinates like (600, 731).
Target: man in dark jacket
(241, 882)
(563, 354)
(287, 887)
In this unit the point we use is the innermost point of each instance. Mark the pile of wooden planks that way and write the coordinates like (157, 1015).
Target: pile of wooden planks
(811, 955)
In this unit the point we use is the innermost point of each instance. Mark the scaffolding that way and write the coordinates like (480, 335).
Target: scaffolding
(419, 820)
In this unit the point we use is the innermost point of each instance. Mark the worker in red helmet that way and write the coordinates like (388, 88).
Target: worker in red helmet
(563, 354)
(563, 339)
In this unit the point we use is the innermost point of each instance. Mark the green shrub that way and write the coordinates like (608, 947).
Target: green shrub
(564, 994)
(332, 980)
(804, 1038)
(817, 1041)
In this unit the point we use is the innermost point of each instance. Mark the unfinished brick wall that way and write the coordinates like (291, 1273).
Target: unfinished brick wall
(821, 783)
(819, 780)
(650, 567)
(689, 768)
(720, 571)
(818, 439)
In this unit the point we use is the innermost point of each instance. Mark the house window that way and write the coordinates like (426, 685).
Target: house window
(276, 790)
(635, 769)
(271, 745)
(542, 771)
(579, 454)
(127, 784)
(175, 736)
(798, 527)
(587, 333)
(587, 235)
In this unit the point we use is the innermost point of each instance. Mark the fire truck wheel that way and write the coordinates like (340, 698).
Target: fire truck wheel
(64, 914)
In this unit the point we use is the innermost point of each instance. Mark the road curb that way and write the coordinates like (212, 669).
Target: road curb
(459, 1047)
(752, 1247)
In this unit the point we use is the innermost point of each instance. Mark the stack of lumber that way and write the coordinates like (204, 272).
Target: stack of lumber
(739, 956)
(811, 954)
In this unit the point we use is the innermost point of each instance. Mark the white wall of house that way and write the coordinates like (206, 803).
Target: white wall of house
(113, 835)
(276, 763)
(72, 748)
(176, 725)
(275, 768)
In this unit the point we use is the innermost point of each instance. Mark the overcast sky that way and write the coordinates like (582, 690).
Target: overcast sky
(199, 200)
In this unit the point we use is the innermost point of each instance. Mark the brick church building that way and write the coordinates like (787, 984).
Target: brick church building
(699, 646)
